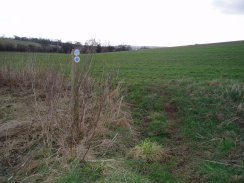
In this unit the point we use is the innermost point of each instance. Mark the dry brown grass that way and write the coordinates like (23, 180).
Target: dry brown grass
(48, 136)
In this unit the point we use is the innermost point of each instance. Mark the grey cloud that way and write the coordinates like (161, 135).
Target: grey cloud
(230, 6)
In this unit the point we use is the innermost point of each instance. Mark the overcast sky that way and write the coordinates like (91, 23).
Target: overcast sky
(134, 22)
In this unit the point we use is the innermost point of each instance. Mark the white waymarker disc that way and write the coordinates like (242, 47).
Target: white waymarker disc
(76, 52)
(77, 59)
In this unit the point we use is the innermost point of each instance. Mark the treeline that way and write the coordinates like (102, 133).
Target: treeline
(24, 44)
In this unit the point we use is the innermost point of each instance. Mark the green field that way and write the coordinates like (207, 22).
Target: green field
(188, 99)
(197, 62)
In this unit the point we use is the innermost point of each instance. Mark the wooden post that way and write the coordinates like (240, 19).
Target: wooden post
(75, 94)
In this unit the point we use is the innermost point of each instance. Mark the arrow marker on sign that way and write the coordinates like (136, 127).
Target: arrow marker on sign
(76, 52)
(77, 59)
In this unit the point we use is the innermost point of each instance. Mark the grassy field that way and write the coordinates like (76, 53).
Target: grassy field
(188, 100)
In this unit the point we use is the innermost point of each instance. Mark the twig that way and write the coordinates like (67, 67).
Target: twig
(221, 163)
(113, 140)
(104, 160)
(120, 103)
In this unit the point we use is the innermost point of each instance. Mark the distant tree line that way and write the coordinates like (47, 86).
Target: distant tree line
(24, 44)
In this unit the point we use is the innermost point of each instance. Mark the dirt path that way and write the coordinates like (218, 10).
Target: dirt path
(179, 147)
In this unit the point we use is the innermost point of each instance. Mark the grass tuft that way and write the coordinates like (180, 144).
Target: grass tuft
(149, 151)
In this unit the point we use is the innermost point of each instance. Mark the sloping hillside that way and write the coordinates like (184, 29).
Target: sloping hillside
(187, 112)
